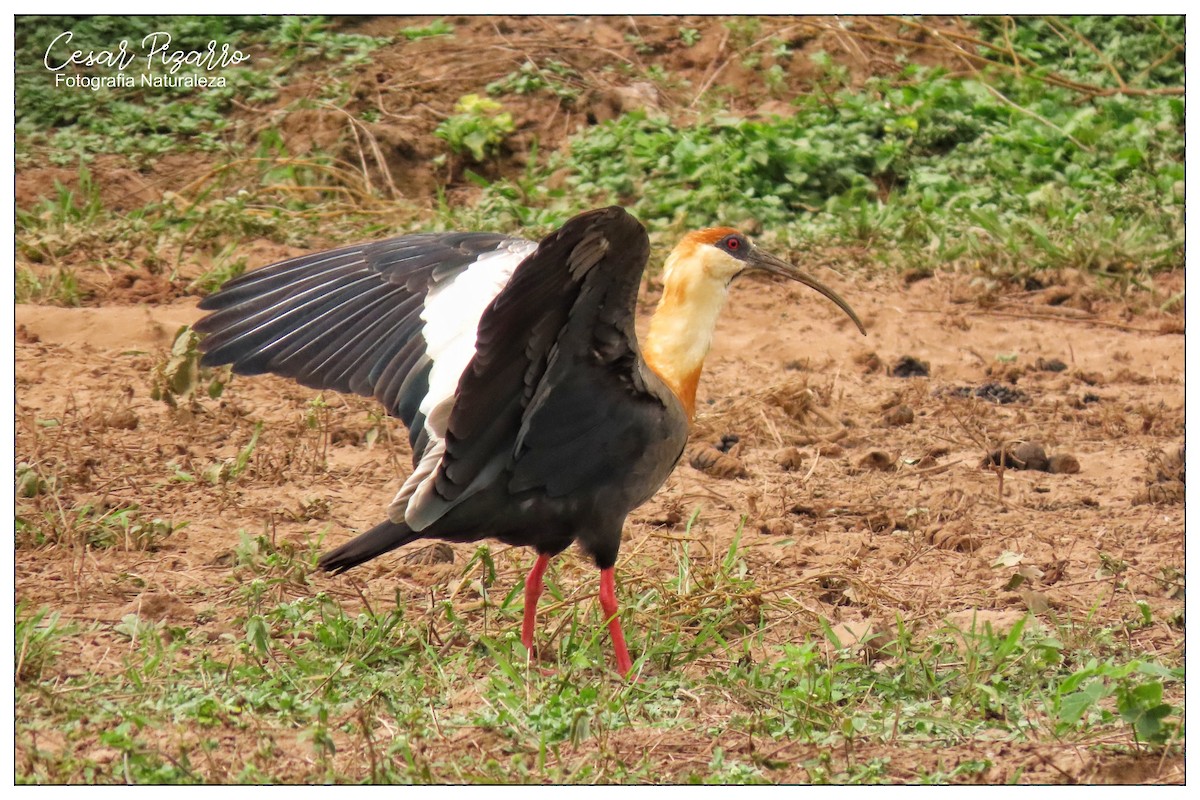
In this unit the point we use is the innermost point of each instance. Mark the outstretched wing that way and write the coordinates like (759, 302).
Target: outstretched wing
(556, 366)
(394, 319)
(501, 356)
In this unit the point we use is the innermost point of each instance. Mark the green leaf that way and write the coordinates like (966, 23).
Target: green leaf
(1072, 707)
(1142, 708)
(258, 634)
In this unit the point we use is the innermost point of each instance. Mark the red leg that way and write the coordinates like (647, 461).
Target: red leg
(533, 591)
(608, 602)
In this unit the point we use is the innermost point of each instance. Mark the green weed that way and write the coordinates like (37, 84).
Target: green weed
(38, 636)
(230, 469)
(932, 165)
(179, 375)
(551, 76)
(436, 28)
(149, 122)
(478, 127)
(123, 527)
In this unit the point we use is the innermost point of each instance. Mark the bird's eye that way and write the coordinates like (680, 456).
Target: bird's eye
(733, 243)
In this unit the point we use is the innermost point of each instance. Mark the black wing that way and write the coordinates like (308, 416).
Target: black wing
(556, 364)
(346, 319)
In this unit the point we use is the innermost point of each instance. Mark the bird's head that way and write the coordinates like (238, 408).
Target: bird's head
(696, 280)
(711, 258)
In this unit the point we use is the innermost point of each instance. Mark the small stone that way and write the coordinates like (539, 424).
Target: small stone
(158, 606)
(728, 440)
(122, 419)
(878, 459)
(952, 538)
(898, 415)
(779, 527)
(1000, 394)
(882, 522)
(1032, 455)
(712, 461)
(1026, 455)
(1064, 464)
(789, 458)
(1053, 365)
(869, 361)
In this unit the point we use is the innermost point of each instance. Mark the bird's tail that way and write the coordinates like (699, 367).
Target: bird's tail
(383, 538)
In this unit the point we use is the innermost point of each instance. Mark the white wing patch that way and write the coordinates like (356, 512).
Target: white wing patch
(451, 316)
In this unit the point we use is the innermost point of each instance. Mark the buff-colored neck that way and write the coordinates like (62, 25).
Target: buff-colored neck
(682, 327)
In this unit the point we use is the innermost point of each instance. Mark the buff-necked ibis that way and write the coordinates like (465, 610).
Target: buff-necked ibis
(535, 415)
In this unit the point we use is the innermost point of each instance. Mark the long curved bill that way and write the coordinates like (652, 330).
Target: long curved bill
(758, 259)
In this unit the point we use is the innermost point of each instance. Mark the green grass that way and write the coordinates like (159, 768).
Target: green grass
(147, 123)
(321, 685)
(1066, 153)
(87, 525)
(256, 189)
(552, 76)
(268, 194)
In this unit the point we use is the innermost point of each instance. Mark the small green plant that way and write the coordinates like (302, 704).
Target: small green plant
(224, 269)
(230, 469)
(639, 43)
(123, 527)
(1137, 688)
(135, 532)
(775, 79)
(552, 76)
(316, 420)
(179, 375)
(82, 205)
(30, 481)
(743, 31)
(478, 127)
(689, 36)
(58, 286)
(438, 27)
(309, 38)
(38, 638)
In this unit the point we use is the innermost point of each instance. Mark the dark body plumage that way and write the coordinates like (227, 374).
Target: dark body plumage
(553, 431)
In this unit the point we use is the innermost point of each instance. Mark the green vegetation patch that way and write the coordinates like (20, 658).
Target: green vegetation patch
(374, 697)
(1005, 168)
(144, 122)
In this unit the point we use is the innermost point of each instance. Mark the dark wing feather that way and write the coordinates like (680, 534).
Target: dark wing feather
(595, 411)
(346, 319)
(556, 361)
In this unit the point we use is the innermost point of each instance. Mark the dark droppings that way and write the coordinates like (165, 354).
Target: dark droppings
(1050, 365)
(909, 367)
(992, 392)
